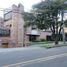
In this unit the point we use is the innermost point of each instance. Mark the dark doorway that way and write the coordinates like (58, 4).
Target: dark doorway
(32, 37)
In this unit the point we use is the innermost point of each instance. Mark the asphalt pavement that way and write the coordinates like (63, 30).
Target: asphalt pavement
(25, 57)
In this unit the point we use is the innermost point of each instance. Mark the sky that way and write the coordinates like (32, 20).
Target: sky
(8, 3)
(27, 3)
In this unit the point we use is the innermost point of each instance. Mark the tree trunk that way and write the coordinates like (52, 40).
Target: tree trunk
(56, 39)
(56, 42)
(53, 33)
(57, 35)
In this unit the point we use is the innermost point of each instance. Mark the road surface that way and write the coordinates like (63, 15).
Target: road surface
(33, 57)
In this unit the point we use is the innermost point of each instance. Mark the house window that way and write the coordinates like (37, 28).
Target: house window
(4, 33)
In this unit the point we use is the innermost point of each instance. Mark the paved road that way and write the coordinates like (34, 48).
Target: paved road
(59, 62)
(34, 57)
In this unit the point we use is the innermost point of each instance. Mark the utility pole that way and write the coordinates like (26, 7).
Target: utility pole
(62, 20)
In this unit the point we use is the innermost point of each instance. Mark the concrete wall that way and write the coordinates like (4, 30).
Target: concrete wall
(17, 25)
(65, 30)
(17, 30)
(4, 40)
(43, 34)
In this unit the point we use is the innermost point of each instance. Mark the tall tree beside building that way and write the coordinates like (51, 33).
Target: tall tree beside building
(46, 16)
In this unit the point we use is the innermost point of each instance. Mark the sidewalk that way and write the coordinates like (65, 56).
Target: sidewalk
(18, 49)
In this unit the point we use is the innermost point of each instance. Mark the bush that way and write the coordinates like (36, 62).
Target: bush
(42, 40)
(36, 41)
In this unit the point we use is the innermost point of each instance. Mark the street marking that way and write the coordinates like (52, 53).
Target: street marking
(38, 60)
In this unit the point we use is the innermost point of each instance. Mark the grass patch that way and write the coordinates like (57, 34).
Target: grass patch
(47, 44)
(52, 45)
(34, 43)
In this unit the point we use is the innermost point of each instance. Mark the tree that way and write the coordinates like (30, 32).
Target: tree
(47, 16)
(29, 19)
